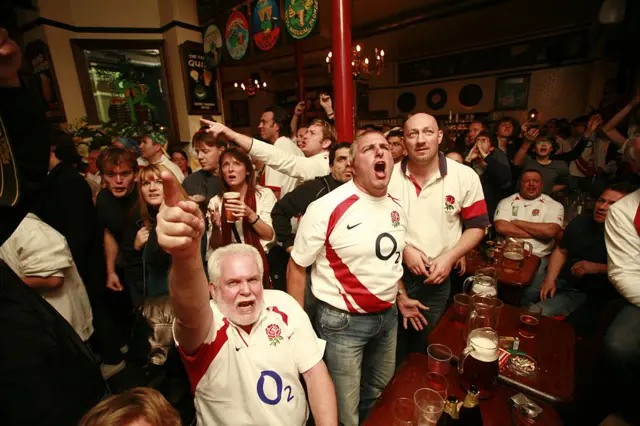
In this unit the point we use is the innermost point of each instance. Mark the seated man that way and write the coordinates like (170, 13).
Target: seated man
(531, 216)
(244, 351)
(577, 272)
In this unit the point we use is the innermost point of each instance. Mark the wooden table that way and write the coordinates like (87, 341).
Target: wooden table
(553, 348)
(511, 283)
(408, 379)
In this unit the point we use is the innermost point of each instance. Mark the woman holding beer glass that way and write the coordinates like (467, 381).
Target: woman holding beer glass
(242, 214)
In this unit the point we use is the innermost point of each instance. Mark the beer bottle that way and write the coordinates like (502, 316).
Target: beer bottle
(450, 415)
(470, 414)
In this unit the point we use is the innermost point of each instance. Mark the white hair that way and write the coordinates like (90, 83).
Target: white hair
(218, 256)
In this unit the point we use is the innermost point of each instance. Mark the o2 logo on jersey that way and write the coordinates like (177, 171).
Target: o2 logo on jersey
(388, 253)
(275, 377)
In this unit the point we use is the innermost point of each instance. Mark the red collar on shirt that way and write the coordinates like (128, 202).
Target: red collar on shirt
(442, 165)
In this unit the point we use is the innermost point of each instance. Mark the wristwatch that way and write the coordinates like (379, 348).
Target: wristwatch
(401, 292)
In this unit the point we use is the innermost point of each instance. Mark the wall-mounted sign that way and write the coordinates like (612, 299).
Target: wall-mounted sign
(43, 80)
(212, 46)
(236, 35)
(199, 80)
(300, 17)
(266, 24)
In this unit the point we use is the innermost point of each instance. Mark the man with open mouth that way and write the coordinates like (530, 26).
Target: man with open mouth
(245, 350)
(353, 238)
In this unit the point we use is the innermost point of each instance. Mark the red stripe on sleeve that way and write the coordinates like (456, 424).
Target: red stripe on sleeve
(198, 363)
(476, 209)
(636, 220)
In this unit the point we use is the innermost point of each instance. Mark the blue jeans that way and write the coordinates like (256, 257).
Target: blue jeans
(435, 297)
(622, 355)
(360, 356)
(531, 294)
(566, 300)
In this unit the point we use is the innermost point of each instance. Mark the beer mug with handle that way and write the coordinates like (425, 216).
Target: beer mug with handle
(484, 281)
(482, 312)
(514, 253)
(478, 363)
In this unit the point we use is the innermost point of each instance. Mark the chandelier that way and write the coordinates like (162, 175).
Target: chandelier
(251, 86)
(362, 67)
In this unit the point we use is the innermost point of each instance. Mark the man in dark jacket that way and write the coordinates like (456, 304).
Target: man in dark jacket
(492, 165)
(295, 203)
(47, 375)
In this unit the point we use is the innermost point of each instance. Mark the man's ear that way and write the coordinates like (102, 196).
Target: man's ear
(326, 143)
(212, 290)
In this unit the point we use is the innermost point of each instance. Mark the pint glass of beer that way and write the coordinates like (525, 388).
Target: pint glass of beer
(228, 215)
(479, 361)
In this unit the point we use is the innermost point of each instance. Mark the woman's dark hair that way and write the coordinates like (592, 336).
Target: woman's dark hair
(184, 155)
(251, 237)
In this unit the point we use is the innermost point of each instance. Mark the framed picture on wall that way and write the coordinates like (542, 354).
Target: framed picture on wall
(512, 92)
(199, 82)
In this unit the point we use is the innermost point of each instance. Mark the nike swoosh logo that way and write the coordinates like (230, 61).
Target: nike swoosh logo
(350, 227)
(237, 349)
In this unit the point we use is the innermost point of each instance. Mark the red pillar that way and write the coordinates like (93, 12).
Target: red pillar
(300, 75)
(341, 67)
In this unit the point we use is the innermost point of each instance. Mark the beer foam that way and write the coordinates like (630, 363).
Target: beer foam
(485, 349)
(513, 256)
(484, 289)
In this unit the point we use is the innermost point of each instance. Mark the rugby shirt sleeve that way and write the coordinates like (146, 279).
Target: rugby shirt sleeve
(266, 203)
(555, 214)
(623, 251)
(308, 348)
(42, 251)
(311, 235)
(503, 211)
(474, 207)
(289, 164)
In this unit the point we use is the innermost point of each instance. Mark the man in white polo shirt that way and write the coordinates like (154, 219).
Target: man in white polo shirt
(274, 129)
(315, 146)
(245, 350)
(533, 217)
(353, 238)
(440, 196)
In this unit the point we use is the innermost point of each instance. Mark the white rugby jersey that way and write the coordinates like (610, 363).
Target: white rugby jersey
(356, 242)
(438, 210)
(277, 181)
(543, 209)
(254, 379)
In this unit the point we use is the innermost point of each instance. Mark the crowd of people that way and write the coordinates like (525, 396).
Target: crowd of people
(292, 273)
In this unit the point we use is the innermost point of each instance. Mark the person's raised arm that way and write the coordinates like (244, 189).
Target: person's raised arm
(530, 136)
(295, 166)
(179, 229)
(322, 395)
(297, 113)
(610, 128)
(589, 134)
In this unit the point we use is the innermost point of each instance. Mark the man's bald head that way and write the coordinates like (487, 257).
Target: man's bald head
(422, 138)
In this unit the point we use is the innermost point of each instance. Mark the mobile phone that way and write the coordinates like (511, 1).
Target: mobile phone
(525, 406)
